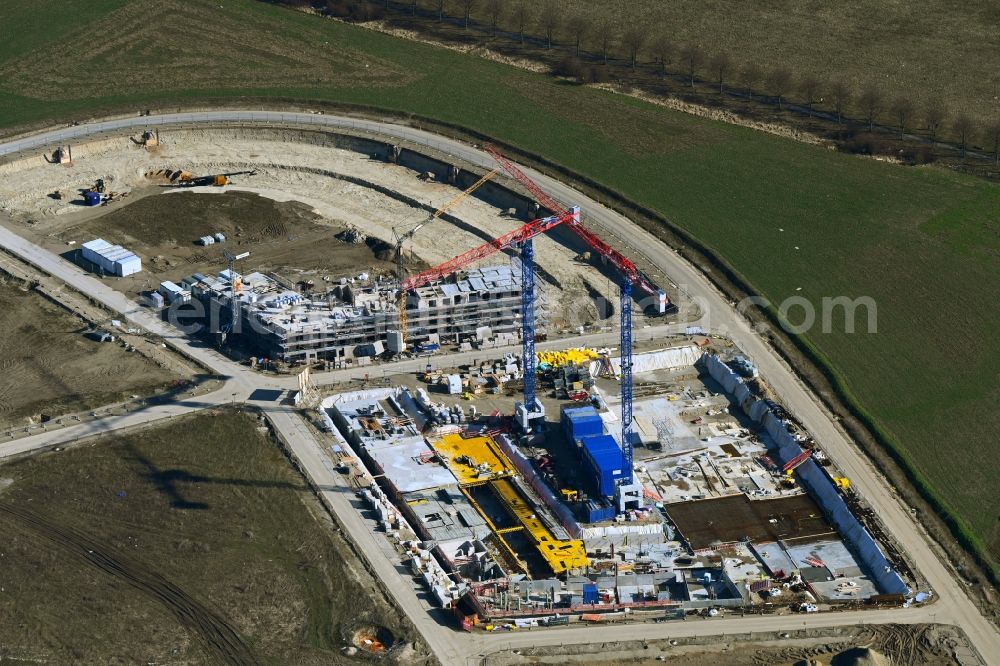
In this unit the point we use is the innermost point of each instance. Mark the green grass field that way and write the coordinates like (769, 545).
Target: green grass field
(206, 504)
(922, 242)
(923, 49)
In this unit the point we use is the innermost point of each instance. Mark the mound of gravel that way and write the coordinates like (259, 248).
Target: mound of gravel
(860, 657)
(352, 235)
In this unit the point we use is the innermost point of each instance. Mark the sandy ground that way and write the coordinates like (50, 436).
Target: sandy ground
(286, 170)
(285, 239)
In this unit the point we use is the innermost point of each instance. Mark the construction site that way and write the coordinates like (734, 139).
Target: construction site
(522, 480)
(556, 522)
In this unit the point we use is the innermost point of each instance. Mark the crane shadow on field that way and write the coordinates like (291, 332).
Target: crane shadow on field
(171, 482)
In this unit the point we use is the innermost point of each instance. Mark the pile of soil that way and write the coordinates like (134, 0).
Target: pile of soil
(373, 639)
(860, 657)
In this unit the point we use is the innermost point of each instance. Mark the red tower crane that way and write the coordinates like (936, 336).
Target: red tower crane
(631, 276)
(623, 264)
(508, 240)
(531, 411)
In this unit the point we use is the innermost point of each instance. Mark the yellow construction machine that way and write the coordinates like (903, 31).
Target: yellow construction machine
(217, 180)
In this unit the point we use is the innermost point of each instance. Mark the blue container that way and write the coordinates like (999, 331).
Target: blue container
(599, 511)
(606, 461)
(580, 422)
(590, 595)
(92, 198)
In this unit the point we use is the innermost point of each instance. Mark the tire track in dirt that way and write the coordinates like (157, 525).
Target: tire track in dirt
(218, 637)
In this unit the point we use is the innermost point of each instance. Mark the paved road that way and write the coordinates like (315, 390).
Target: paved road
(699, 627)
(67, 434)
(953, 605)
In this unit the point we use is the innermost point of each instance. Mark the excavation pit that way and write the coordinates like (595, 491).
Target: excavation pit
(372, 639)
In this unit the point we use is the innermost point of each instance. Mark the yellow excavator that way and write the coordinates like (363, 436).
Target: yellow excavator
(218, 180)
(405, 236)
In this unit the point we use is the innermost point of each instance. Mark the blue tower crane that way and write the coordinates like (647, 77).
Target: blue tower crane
(528, 358)
(626, 379)
(631, 276)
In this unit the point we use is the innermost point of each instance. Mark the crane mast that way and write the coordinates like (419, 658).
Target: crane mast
(631, 276)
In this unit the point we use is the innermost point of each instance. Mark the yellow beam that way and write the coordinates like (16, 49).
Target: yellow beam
(508, 530)
(472, 188)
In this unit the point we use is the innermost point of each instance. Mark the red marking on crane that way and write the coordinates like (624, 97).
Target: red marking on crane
(524, 233)
(796, 461)
(592, 240)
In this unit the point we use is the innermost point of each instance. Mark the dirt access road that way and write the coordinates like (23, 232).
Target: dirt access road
(449, 646)
(953, 606)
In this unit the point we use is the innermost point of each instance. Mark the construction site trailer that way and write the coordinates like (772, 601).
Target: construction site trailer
(112, 259)
(174, 292)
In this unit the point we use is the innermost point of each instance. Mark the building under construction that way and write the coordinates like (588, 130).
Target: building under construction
(358, 318)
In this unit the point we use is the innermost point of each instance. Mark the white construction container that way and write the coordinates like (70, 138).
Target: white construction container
(112, 259)
(394, 341)
(206, 240)
(174, 293)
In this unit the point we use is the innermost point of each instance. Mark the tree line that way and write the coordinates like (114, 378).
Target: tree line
(589, 46)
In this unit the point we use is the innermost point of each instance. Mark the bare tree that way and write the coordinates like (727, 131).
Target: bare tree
(578, 27)
(494, 10)
(871, 102)
(663, 52)
(439, 8)
(840, 93)
(809, 87)
(963, 128)
(902, 108)
(549, 23)
(720, 64)
(521, 16)
(413, 7)
(993, 138)
(934, 116)
(634, 38)
(779, 80)
(692, 56)
(605, 34)
(751, 76)
(467, 6)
